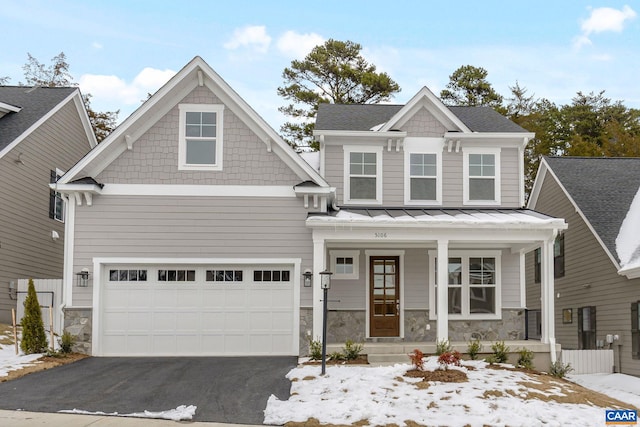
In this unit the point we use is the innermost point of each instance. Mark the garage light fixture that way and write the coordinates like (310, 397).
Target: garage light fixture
(307, 275)
(82, 278)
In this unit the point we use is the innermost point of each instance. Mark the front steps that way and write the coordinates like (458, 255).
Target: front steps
(387, 353)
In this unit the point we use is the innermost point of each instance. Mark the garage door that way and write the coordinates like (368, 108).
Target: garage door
(168, 310)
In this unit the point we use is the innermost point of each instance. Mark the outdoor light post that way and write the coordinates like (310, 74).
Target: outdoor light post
(325, 283)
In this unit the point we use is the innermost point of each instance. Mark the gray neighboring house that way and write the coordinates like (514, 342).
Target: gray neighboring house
(43, 133)
(196, 230)
(597, 289)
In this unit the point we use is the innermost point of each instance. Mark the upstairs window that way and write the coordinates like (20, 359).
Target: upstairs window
(56, 203)
(363, 177)
(423, 171)
(482, 176)
(200, 145)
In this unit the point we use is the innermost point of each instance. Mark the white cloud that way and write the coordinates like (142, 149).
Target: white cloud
(96, 45)
(604, 19)
(254, 38)
(116, 91)
(298, 45)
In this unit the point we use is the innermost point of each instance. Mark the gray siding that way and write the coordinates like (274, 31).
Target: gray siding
(154, 157)
(392, 178)
(26, 247)
(190, 227)
(452, 178)
(509, 174)
(423, 124)
(334, 169)
(586, 263)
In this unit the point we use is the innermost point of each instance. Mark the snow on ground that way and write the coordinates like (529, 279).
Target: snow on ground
(625, 388)
(181, 413)
(10, 361)
(381, 395)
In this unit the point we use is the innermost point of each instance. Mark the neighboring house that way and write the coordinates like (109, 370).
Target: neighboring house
(43, 133)
(597, 259)
(194, 223)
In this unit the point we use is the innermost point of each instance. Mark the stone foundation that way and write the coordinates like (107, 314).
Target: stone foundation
(510, 328)
(77, 321)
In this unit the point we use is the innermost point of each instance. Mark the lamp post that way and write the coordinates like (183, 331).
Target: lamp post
(325, 284)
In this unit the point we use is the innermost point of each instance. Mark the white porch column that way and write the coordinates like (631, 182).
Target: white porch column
(443, 291)
(319, 263)
(548, 296)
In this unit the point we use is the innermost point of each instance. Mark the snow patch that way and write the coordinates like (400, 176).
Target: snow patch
(628, 240)
(181, 413)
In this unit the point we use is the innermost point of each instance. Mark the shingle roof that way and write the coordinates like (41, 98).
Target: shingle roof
(359, 117)
(603, 189)
(34, 103)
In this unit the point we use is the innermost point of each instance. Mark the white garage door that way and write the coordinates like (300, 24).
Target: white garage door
(169, 310)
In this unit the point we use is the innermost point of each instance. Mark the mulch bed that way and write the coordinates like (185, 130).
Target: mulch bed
(360, 360)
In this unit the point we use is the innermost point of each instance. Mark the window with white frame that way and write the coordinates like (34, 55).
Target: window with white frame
(56, 202)
(473, 285)
(482, 176)
(345, 264)
(363, 175)
(423, 177)
(200, 144)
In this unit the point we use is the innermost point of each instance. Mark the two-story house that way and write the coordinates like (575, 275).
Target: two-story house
(193, 224)
(43, 132)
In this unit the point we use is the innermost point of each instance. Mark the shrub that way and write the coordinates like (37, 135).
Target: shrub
(500, 352)
(443, 346)
(449, 358)
(336, 355)
(416, 359)
(66, 342)
(473, 349)
(352, 350)
(315, 349)
(525, 359)
(34, 338)
(559, 369)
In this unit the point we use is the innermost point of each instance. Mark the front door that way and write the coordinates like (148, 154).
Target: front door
(384, 296)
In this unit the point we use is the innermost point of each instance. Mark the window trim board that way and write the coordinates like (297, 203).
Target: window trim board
(182, 138)
(465, 181)
(348, 149)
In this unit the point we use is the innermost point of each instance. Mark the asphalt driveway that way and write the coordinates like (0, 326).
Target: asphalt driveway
(224, 389)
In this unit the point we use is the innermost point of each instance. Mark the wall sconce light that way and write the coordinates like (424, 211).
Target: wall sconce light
(55, 235)
(307, 275)
(82, 279)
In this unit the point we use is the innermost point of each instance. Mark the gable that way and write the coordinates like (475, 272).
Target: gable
(424, 124)
(153, 159)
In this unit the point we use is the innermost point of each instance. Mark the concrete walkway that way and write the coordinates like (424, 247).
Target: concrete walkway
(31, 419)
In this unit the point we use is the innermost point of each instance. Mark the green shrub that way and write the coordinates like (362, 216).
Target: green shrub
(66, 342)
(34, 338)
(473, 349)
(352, 350)
(500, 352)
(443, 346)
(559, 369)
(336, 355)
(525, 359)
(315, 349)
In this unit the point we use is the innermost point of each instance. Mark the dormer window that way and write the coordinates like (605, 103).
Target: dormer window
(423, 171)
(200, 145)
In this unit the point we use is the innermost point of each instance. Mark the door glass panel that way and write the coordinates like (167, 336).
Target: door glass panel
(378, 267)
(378, 281)
(390, 268)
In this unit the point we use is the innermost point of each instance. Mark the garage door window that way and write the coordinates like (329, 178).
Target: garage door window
(224, 275)
(176, 275)
(127, 275)
(271, 276)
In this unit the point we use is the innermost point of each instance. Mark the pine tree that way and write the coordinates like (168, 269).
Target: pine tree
(34, 339)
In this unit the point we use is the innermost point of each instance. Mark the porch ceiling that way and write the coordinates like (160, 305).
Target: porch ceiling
(437, 218)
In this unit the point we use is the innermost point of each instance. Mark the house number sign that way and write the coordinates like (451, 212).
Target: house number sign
(381, 235)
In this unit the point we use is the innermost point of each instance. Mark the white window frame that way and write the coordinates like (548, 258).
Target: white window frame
(182, 139)
(465, 167)
(355, 255)
(58, 195)
(422, 146)
(465, 314)
(377, 150)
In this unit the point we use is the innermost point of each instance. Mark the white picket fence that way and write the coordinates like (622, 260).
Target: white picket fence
(49, 292)
(589, 361)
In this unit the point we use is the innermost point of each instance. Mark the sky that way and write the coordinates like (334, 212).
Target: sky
(121, 50)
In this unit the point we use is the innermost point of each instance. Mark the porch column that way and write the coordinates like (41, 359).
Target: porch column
(319, 263)
(443, 291)
(548, 296)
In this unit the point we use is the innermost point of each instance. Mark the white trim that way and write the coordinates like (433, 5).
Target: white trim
(198, 190)
(98, 273)
(423, 146)
(465, 255)
(182, 138)
(75, 96)
(383, 252)
(69, 245)
(8, 108)
(523, 279)
(377, 150)
(354, 254)
(466, 151)
(366, 135)
(59, 173)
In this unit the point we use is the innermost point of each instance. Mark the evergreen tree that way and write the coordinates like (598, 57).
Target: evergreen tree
(34, 338)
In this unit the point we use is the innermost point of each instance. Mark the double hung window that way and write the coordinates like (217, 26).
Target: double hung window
(200, 145)
(481, 176)
(363, 175)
